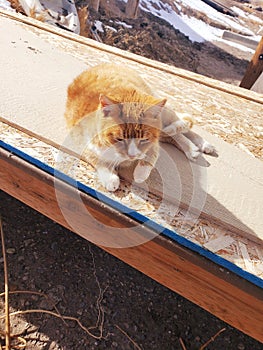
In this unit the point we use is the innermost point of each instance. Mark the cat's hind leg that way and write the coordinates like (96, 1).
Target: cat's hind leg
(184, 144)
(203, 145)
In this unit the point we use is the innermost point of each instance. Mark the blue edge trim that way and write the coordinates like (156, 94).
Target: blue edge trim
(135, 215)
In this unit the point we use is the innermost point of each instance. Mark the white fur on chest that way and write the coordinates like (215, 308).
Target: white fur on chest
(106, 154)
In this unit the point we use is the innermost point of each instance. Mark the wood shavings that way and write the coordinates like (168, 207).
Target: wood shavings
(219, 243)
(246, 257)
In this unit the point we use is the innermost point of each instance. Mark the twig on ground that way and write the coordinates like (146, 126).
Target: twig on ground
(182, 344)
(207, 343)
(62, 317)
(7, 316)
(15, 337)
(212, 339)
(35, 293)
(130, 339)
(101, 313)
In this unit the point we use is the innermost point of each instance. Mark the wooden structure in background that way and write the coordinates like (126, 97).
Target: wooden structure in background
(219, 291)
(131, 9)
(94, 4)
(255, 68)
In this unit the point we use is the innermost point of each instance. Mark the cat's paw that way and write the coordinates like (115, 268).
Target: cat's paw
(141, 173)
(112, 183)
(193, 154)
(207, 148)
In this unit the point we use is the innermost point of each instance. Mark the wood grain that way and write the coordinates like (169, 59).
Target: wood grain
(255, 68)
(234, 300)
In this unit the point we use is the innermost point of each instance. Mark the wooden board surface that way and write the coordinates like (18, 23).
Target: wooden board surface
(220, 292)
(227, 189)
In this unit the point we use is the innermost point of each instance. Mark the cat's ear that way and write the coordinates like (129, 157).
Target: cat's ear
(109, 107)
(105, 101)
(155, 110)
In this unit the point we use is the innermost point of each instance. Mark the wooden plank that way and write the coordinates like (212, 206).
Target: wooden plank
(217, 5)
(231, 298)
(255, 67)
(240, 39)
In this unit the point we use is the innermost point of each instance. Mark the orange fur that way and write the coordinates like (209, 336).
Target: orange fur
(119, 84)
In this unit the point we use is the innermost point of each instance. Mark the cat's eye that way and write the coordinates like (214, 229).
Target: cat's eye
(118, 139)
(144, 141)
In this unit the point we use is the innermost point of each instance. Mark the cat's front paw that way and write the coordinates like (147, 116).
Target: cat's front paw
(110, 180)
(112, 183)
(141, 173)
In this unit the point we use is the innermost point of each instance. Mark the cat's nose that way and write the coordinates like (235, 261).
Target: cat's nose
(132, 156)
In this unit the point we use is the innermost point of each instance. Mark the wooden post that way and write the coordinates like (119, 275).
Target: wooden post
(94, 4)
(255, 68)
(131, 10)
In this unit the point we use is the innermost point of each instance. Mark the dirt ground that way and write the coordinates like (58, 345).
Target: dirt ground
(154, 38)
(122, 308)
(127, 309)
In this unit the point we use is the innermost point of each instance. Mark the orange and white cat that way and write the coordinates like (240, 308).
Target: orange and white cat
(113, 112)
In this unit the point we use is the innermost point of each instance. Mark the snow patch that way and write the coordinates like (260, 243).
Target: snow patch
(170, 16)
(99, 26)
(125, 25)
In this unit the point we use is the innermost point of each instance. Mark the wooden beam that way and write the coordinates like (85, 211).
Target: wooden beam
(254, 69)
(131, 10)
(224, 294)
(240, 39)
(217, 5)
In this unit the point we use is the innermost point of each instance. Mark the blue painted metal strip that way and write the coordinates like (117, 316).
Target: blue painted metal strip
(135, 215)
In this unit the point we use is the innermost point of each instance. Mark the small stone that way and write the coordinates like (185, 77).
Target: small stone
(10, 251)
(241, 346)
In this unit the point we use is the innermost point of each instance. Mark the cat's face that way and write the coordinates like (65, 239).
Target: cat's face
(131, 141)
(130, 129)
